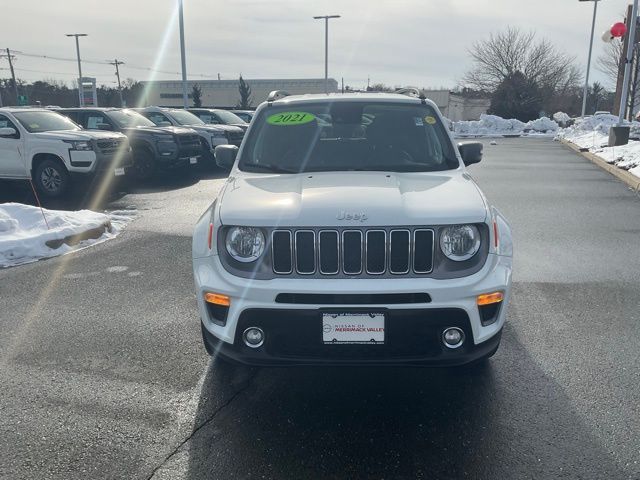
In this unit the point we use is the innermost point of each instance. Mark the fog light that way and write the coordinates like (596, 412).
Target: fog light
(253, 337)
(453, 337)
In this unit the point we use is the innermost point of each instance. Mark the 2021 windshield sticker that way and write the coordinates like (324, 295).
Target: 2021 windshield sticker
(290, 118)
(430, 120)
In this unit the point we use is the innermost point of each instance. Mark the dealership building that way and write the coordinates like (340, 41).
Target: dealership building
(224, 93)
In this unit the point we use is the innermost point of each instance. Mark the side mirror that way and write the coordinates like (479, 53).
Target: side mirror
(164, 124)
(7, 132)
(226, 156)
(104, 126)
(471, 152)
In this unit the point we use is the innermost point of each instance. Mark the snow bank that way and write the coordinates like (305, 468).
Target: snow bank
(494, 126)
(24, 236)
(561, 118)
(592, 133)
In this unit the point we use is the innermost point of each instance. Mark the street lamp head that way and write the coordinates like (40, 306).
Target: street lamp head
(326, 16)
(76, 34)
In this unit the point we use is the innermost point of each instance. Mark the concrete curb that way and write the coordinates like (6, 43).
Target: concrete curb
(72, 240)
(630, 179)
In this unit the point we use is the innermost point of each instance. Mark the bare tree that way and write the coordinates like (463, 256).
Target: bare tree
(608, 63)
(512, 50)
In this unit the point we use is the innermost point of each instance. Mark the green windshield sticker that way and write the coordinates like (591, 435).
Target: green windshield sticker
(290, 118)
(430, 120)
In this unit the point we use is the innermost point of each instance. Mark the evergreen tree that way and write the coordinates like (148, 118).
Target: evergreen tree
(245, 95)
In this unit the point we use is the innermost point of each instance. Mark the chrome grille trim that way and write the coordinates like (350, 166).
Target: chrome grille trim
(290, 271)
(338, 235)
(433, 246)
(409, 256)
(295, 252)
(361, 251)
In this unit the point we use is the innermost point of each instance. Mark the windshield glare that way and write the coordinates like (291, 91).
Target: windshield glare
(228, 117)
(185, 118)
(128, 118)
(44, 121)
(348, 136)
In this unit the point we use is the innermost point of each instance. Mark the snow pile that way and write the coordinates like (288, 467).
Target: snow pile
(493, 126)
(561, 118)
(592, 133)
(24, 236)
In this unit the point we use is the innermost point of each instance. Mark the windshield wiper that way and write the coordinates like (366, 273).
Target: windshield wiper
(269, 168)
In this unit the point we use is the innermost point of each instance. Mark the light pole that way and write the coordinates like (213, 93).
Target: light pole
(326, 48)
(185, 97)
(586, 81)
(116, 63)
(80, 95)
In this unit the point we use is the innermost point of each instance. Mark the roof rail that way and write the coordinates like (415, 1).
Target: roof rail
(277, 95)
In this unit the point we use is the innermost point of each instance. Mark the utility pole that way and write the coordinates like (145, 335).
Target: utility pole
(586, 82)
(116, 63)
(185, 97)
(326, 48)
(627, 68)
(76, 35)
(10, 57)
(626, 42)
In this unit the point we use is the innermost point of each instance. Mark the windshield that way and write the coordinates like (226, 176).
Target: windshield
(228, 117)
(44, 121)
(362, 136)
(185, 118)
(129, 118)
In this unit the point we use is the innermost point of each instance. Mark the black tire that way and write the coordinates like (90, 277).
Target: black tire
(144, 164)
(51, 178)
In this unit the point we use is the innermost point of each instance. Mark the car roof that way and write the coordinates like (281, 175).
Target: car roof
(25, 109)
(84, 109)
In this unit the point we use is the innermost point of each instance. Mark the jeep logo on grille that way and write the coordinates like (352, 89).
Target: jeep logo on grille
(361, 216)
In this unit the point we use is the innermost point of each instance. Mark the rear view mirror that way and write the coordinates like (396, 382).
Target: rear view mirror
(471, 152)
(7, 132)
(226, 156)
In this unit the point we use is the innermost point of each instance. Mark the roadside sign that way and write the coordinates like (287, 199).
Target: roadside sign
(23, 100)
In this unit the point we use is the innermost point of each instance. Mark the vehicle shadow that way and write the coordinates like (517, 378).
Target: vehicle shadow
(505, 419)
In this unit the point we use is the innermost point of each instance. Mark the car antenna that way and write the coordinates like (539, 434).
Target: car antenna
(276, 95)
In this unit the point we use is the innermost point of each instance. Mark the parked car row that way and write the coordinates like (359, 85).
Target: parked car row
(58, 147)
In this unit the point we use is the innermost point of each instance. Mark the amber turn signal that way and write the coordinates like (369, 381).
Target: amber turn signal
(217, 299)
(489, 298)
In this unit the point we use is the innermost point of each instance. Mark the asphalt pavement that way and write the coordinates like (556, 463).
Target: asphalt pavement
(103, 375)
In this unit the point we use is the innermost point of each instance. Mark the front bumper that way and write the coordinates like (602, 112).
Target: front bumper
(293, 330)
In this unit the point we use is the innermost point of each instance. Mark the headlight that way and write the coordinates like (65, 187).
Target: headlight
(245, 244)
(460, 242)
(79, 145)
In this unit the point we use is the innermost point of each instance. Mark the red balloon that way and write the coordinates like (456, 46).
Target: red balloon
(618, 29)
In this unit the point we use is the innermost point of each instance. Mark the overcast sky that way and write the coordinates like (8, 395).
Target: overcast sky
(403, 42)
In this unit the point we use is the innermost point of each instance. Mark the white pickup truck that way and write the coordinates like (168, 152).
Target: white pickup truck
(50, 149)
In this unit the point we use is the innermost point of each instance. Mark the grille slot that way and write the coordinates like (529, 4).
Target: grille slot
(329, 254)
(349, 252)
(352, 252)
(282, 252)
(423, 244)
(305, 252)
(109, 146)
(399, 252)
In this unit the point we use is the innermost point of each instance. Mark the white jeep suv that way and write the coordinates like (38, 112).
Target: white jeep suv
(349, 232)
(50, 149)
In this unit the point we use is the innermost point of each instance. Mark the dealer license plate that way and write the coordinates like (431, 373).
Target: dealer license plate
(119, 172)
(353, 328)
(193, 160)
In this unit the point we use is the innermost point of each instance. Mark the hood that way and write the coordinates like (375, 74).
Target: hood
(228, 128)
(158, 130)
(78, 135)
(202, 129)
(351, 199)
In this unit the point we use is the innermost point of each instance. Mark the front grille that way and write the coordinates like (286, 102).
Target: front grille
(352, 252)
(235, 138)
(110, 146)
(189, 145)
